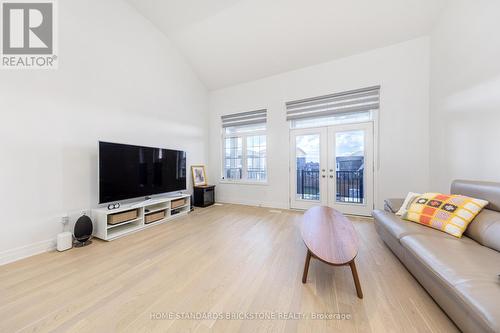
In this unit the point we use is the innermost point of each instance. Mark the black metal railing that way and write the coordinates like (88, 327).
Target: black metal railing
(349, 185)
(308, 184)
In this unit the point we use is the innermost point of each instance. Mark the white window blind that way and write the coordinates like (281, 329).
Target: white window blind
(244, 118)
(354, 101)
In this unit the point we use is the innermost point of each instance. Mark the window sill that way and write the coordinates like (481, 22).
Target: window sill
(243, 182)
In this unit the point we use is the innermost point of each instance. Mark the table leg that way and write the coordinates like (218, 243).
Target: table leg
(306, 266)
(356, 279)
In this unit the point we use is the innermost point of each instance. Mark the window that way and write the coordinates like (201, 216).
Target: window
(256, 158)
(244, 147)
(233, 166)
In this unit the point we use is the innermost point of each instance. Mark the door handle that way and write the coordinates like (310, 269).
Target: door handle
(331, 176)
(323, 176)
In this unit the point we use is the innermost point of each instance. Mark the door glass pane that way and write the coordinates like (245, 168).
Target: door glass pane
(350, 166)
(307, 152)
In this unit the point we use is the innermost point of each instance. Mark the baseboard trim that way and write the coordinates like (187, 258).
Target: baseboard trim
(254, 203)
(26, 251)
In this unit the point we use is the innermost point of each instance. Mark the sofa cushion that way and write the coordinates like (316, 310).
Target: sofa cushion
(449, 213)
(486, 229)
(466, 269)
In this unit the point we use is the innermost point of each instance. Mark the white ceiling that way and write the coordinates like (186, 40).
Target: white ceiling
(233, 41)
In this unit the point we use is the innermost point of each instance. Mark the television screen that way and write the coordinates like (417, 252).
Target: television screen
(127, 171)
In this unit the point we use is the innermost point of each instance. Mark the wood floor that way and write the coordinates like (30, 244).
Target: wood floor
(221, 260)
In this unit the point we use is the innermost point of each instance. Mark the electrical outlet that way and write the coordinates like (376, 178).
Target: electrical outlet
(65, 219)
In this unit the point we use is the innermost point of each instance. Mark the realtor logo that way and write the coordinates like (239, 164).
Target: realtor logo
(28, 32)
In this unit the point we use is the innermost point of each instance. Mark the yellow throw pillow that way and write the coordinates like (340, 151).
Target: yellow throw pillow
(449, 213)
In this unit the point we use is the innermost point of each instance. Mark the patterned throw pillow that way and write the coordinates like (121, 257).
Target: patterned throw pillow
(449, 213)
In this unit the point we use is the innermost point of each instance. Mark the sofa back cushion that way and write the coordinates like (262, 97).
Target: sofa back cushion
(485, 229)
(488, 191)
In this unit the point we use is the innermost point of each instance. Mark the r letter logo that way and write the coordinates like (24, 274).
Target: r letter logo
(28, 34)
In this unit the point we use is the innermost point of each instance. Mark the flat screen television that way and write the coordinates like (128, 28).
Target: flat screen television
(127, 172)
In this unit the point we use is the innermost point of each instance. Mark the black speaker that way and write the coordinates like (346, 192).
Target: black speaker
(83, 231)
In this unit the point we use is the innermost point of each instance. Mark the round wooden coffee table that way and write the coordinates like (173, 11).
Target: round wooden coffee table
(330, 237)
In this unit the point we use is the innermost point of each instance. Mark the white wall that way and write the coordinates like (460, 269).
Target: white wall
(402, 71)
(465, 93)
(119, 79)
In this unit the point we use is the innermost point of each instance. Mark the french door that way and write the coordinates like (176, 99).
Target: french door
(333, 166)
(308, 167)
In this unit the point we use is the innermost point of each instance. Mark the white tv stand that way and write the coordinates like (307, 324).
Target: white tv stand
(106, 231)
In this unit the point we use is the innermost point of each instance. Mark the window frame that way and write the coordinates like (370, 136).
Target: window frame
(244, 156)
(331, 120)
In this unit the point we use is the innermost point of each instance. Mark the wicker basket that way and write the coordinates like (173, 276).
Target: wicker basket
(123, 216)
(178, 203)
(153, 217)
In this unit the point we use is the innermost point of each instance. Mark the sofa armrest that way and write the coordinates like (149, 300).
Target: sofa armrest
(393, 205)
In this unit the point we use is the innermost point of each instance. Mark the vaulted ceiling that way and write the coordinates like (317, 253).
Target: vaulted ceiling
(233, 41)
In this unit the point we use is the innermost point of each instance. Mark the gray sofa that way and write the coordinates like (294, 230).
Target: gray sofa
(461, 275)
